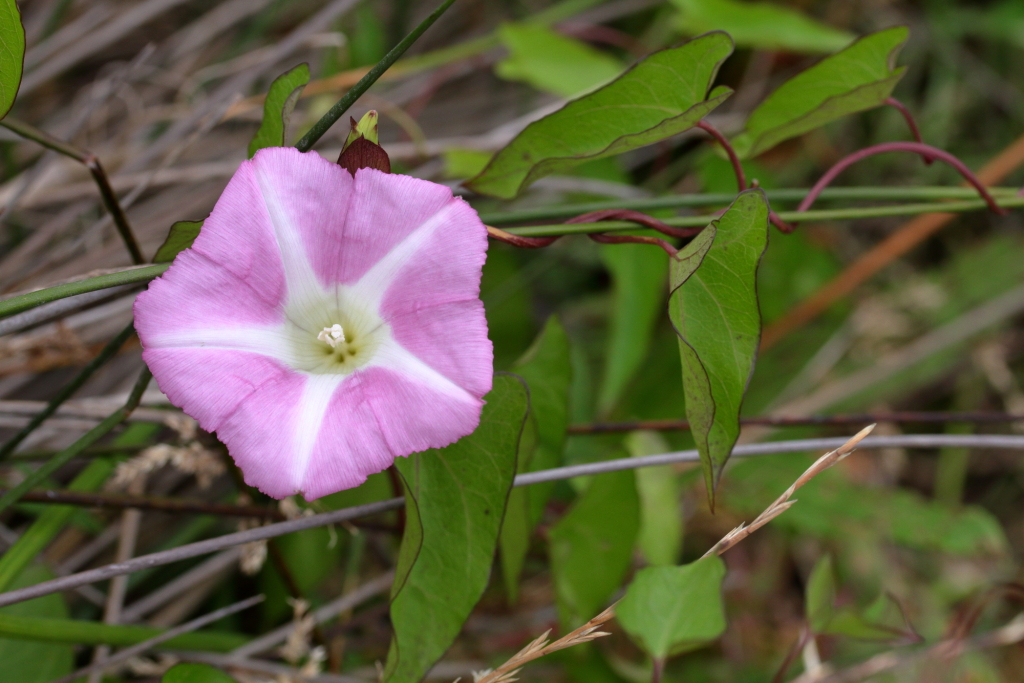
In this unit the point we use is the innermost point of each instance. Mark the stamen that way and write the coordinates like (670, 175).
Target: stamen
(333, 335)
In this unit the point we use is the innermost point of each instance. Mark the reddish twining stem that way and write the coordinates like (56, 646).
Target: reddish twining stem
(518, 240)
(605, 238)
(634, 217)
(916, 148)
(605, 215)
(737, 167)
(911, 123)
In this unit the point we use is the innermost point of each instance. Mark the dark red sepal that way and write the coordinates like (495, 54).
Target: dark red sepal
(364, 154)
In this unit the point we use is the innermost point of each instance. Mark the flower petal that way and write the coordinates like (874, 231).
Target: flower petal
(210, 384)
(307, 200)
(384, 210)
(196, 297)
(432, 301)
(349, 446)
(414, 416)
(262, 434)
(238, 235)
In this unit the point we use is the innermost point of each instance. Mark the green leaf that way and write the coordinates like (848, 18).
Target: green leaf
(881, 621)
(12, 54)
(821, 595)
(82, 632)
(195, 673)
(277, 108)
(661, 515)
(180, 237)
(663, 94)
(638, 286)
(667, 610)
(713, 306)
(551, 62)
(516, 526)
(37, 662)
(462, 163)
(455, 500)
(834, 508)
(591, 547)
(547, 370)
(860, 77)
(760, 25)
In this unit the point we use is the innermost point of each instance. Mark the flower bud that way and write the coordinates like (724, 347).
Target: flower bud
(362, 149)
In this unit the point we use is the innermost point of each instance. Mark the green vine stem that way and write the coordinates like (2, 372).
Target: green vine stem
(349, 98)
(91, 162)
(25, 302)
(803, 216)
(718, 199)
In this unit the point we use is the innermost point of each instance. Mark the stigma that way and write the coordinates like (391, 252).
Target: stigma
(333, 335)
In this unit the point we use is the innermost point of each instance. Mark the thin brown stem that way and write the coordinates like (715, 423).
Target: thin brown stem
(91, 162)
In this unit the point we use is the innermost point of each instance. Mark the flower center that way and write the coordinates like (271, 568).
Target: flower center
(333, 335)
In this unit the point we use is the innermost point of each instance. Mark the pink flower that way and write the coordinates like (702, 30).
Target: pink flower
(323, 324)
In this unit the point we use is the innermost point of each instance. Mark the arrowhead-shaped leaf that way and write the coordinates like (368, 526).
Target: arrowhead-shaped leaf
(663, 94)
(667, 610)
(760, 25)
(12, 54)
(858, 78)
(551, 62)
(455, 498)
(713, 306)
(277, 108)
(547, 370)
(180, 237)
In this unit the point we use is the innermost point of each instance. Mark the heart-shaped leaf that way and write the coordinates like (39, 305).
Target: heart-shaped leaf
(668, 610)
(12, 54)
(860, 77)
(551, 62)
(713, 306)
(180, 237)
(760, 25)
(663, 94)
(277, 108)
(455, 498)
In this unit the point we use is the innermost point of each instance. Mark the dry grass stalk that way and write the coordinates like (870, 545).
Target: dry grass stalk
(506, 673)
(783, 502)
